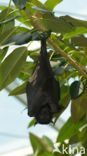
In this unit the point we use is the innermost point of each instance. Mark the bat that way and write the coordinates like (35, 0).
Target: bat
(43, 91)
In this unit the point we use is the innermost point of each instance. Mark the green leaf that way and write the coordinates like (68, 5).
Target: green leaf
(75, 22)
(34, 55)
(28, 68)
(55, 24)
(44, 154)
(77, 31)
(20, 38)
(80, 57)
(11, 66)
(19, 90)
(7, 18)
(32, 123)
(20, 3)
(50, 5)
(7, 24)
(48, 142)
(76, 110)
(6, 15)
(65, 97)
(74, 89)
(6, 34)
(2, 6)
(63, 24)
(38, 144)
(79, 107)
(23, 38)
(17, 35)
(83, 101)
(69, 129)
(37, 3)
(79, 41)
(3, 53)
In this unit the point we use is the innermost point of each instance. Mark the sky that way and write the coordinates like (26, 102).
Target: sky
(68, 7)
(75, 6)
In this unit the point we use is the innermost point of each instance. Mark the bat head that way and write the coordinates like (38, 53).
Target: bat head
(44, 116)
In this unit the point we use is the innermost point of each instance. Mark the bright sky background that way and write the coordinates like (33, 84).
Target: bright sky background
(75, 6)
(12, 120)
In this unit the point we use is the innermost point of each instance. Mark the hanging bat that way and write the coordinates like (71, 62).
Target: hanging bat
(43, 91)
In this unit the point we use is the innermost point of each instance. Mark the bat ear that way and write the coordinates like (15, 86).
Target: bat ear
(44, 116)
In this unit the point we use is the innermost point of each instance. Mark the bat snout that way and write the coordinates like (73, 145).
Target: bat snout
(44, 116)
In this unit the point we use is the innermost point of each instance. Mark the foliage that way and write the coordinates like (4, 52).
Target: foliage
(67, 46)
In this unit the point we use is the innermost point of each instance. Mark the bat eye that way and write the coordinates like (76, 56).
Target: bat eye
(44, 116)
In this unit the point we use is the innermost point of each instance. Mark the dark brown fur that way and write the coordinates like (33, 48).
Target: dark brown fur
(43, 91)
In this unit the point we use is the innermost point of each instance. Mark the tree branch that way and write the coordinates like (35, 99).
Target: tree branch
(80, 69)
(55, 46)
